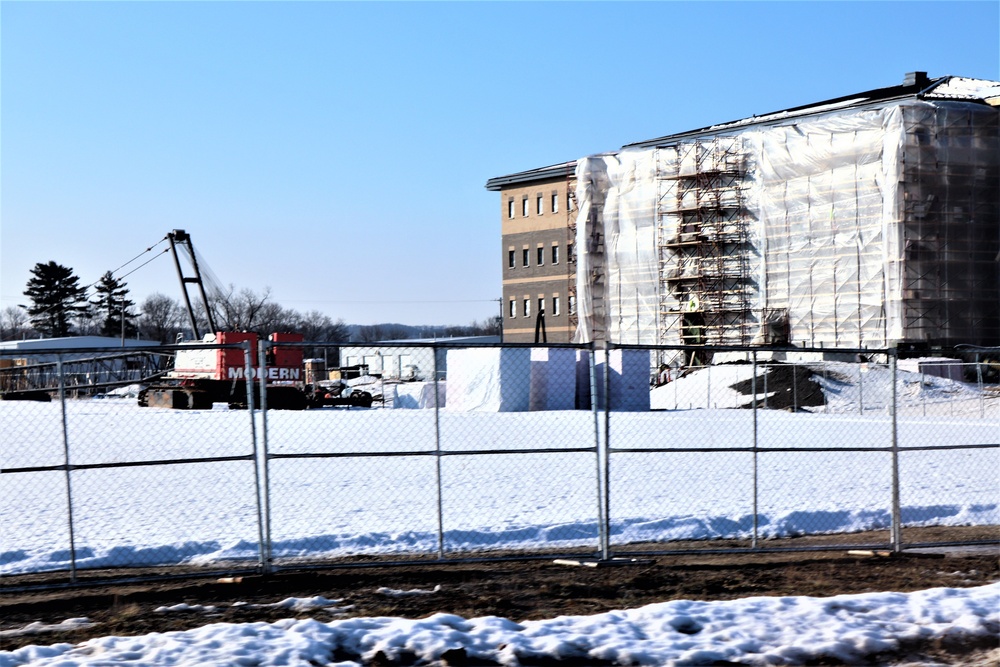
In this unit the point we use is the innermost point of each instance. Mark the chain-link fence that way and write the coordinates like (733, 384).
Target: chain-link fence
(468, 451)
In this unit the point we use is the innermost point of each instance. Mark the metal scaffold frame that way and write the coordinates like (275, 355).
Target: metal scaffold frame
(951, 187)
(571, 210)
(703, 244)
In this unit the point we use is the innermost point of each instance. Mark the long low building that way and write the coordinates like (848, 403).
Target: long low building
(868, 220)
(89, 363)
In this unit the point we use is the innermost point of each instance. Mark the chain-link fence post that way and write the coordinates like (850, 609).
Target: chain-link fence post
(261, 461)
(896, 519)
(437, 457)
(66, 469)
(753, 403)
(248, 375)
(595, 411)
(606, 541)
(795, 389)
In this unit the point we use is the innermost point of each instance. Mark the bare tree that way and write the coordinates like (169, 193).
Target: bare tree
(371, 333)
(15, 324)
(241, 311)
(491, 326)
(161, 318)
(319, 328)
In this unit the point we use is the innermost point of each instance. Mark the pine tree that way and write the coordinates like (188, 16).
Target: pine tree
(112, 305)
(56, 298)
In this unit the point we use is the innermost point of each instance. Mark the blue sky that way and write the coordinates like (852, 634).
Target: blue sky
(337, 152)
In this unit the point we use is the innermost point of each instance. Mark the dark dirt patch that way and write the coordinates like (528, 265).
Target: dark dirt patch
(787, 386)
(521, 590)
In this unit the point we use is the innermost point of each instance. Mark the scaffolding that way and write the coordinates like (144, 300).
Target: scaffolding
(861, 227)
(702, 243)
(571, 208)
(951, 187)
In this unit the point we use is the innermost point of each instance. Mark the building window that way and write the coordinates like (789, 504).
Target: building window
(525, 254)
(540, 256)
(527, 307)
(513, 308)
(541, 304)
(555, 306)
(510, 208)
(569, 202)
(555, 202)
(555, 254)
(524, 207)
(569, 252)
(539, 205)
(510, 259)
(572, 305)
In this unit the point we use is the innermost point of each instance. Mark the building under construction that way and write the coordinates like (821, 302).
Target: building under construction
(863, 221)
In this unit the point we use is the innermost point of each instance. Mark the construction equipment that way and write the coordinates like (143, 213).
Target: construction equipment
(204, 373)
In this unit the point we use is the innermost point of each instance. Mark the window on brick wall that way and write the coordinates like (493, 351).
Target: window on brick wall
(555, 254)
(510, 259)
(539, 256)
(555, 202)
(510, 209)
(513, 308)
(527, 307)
(555, 306)
(539, 206)
(525, 254)
(524, 207)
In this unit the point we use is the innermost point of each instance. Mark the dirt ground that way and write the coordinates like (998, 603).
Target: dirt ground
(519, 590)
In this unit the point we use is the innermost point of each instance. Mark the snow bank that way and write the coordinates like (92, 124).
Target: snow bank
(755, 631)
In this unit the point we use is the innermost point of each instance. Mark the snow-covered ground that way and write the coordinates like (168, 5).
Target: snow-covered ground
(360, 502)
(755, 631)
(350, 497)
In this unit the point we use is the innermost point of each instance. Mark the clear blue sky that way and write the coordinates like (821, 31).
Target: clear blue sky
(337, 152)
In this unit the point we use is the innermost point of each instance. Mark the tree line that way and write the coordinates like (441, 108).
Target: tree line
(59, 306)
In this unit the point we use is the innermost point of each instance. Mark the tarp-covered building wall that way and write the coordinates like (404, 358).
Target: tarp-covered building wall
(862, 222)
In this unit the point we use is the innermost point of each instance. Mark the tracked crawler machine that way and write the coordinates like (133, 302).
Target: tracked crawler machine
(204, 373)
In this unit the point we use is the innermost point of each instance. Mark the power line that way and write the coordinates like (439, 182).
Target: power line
(164, 251)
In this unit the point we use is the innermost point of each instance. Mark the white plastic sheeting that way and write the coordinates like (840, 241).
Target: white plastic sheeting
(628, 379)
(488, 379)
(825, 197)
(521, 379)
(591, 188)
(833, 215)
(553, 379)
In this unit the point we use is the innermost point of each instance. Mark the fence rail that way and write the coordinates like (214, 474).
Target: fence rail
(505, 452)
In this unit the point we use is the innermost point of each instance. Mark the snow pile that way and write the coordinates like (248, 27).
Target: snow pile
(38, 628)
(846, 388)
(410, 593)
(753, 631)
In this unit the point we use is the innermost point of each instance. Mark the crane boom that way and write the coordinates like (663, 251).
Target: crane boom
(179, 236)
